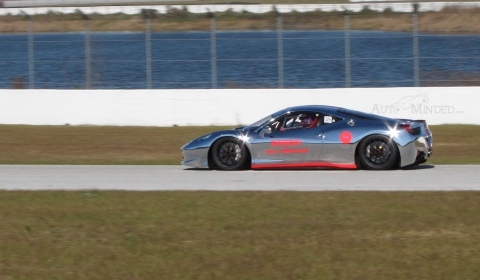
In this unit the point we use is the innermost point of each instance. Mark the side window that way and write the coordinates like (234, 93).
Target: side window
(303, 120)
(328, 119)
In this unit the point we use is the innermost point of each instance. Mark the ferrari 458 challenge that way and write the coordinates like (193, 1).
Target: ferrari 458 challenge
(314, 136)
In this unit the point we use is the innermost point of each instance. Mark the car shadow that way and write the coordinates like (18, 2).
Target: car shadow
(197, 169)
(418, 167)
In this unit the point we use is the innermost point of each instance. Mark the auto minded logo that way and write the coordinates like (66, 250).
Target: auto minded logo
(415, 104)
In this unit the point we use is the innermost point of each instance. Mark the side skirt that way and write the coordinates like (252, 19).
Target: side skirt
(304, 165)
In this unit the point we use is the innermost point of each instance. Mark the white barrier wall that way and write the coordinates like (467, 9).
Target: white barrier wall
(452, 105)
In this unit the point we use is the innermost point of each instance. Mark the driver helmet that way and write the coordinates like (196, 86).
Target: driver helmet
(307, 121)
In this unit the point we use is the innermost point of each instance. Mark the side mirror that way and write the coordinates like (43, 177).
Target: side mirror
(267, 130)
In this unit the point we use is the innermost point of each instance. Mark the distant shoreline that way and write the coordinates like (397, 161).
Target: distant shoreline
(449, 20)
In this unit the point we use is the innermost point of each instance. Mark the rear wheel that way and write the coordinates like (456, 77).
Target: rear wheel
(229, 154)
(378, 152)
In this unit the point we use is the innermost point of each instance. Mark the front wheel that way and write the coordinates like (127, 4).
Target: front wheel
(229, 154)
(378, 152)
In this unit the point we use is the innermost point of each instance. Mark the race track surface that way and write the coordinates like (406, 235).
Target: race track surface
(149, 178)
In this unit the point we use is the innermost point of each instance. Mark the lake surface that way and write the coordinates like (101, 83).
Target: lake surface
(250, 59)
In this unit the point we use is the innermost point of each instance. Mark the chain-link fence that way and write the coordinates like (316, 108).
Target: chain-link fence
(279, 48)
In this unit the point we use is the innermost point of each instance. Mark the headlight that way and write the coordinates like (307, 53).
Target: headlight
(205, 137)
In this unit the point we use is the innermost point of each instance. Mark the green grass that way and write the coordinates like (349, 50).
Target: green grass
(239, 235)
(25, 144)
(226, 235)
(22, 144)
(456, 144)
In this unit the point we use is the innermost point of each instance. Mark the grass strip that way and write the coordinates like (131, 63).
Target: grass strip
(239, 235)
(23, 144)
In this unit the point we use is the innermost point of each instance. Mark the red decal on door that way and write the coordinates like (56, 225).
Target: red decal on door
(286, 143)
(285, 146)
(292, 151)
(345, 137)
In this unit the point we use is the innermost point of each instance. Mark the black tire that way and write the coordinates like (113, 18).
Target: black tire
(377, 152)
(229, 154)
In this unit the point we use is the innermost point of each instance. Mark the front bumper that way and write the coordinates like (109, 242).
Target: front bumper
(197, 158)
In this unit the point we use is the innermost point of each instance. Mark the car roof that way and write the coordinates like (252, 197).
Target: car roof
(323, 108)
(347, 113)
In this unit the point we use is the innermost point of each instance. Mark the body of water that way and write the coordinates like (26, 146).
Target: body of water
(250, 59)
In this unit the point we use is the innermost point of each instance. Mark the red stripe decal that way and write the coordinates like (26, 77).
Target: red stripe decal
(308, 164)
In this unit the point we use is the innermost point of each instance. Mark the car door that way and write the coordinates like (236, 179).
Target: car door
(339, 141)
(290, 140)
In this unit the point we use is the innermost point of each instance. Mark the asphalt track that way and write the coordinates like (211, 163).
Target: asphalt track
(158, 178)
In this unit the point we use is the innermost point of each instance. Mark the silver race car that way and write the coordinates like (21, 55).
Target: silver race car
(312, 137)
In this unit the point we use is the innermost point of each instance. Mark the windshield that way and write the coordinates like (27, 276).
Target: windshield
(261, 121)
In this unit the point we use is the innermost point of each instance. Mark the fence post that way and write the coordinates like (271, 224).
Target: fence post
(280, 49)
(31, 57)
(348, 71)
(148, 46)
(88, 59)
(416, 53)
(88, 66)
(213, 48)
